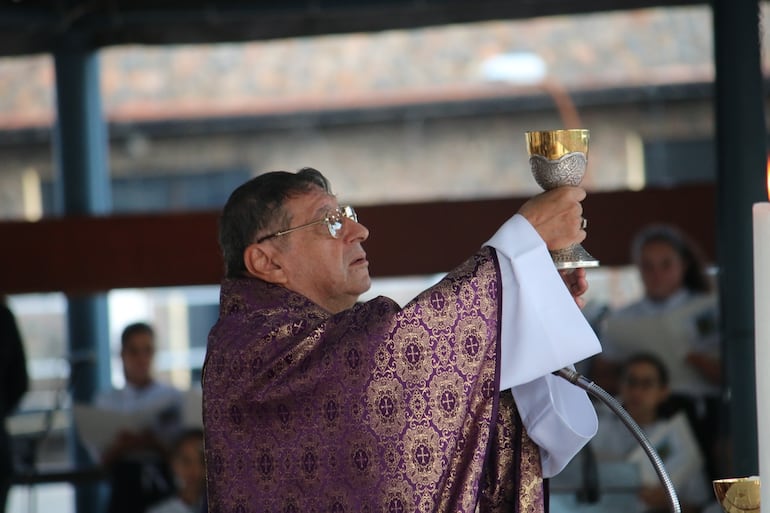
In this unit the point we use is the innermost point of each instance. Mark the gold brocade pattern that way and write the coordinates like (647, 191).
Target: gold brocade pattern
(388, 407)
(514, 483)
(445, 401)
(412, 352)
(376, 409)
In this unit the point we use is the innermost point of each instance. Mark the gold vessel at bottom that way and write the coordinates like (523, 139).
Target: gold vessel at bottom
(738, 495)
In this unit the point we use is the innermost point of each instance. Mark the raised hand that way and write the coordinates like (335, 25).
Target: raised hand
(557, 215)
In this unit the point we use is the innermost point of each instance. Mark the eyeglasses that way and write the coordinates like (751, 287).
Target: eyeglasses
(332, 219)
(644, 383)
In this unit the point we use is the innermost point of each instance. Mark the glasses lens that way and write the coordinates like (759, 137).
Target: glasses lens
(334, 223)
(636, 382)
(334, 219)
(349, 213)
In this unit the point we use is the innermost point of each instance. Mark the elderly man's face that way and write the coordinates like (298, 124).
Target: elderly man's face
(331, 272)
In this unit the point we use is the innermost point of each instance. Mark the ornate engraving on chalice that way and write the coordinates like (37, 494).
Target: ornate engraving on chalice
(557, 158)
(568, 170)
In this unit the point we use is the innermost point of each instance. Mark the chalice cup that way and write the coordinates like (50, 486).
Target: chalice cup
(557, 158)
(738, 495)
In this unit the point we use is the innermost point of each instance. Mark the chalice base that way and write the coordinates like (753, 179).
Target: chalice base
(573, 257)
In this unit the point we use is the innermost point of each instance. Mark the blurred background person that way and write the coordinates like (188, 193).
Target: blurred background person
(676, 320)
(137, 462)
(188, 467)
(14, 383)
(643, 391)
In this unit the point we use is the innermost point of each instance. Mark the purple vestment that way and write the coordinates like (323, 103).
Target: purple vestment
(375, 409)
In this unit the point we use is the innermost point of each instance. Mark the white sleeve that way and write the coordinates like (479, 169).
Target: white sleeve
(542, 331)
(559, 418)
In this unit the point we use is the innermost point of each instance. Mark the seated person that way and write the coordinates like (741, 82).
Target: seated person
(137, 461)
(643, 389)
(676, 320)
(189, 474)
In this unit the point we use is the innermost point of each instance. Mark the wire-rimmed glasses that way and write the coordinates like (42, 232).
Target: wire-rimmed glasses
(332, 219)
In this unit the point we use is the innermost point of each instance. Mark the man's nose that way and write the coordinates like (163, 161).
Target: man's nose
(357, 231)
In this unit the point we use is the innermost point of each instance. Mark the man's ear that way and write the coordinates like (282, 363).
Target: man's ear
(260, 263)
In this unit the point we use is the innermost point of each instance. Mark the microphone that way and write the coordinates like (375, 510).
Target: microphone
(596, 391)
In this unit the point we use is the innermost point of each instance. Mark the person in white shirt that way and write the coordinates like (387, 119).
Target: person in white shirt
(677, 320)
(643, 389)
(136, 461)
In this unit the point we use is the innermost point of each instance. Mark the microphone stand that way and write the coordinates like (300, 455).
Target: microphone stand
(36, 442)
(596, 391)
(49, 419)
(589, 491)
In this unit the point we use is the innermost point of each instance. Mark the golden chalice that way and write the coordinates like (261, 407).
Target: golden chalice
(559, 157)
(738, 495)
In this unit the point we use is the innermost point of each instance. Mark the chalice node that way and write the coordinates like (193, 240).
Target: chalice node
(557, 158)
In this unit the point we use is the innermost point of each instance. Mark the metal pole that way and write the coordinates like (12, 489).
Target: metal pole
(81, 153)
(741, 160)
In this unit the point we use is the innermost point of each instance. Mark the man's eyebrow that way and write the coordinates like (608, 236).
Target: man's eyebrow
(323, 209)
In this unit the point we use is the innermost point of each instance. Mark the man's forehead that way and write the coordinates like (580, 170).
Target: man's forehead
(312, 203)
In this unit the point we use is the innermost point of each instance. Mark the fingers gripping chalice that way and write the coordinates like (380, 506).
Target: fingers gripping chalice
(557, 158)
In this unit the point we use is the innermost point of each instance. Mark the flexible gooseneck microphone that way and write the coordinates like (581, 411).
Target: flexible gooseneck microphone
(596, 391)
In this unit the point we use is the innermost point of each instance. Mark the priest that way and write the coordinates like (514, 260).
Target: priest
(314, 402)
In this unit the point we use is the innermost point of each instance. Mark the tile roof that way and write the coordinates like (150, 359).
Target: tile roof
(582, 52)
